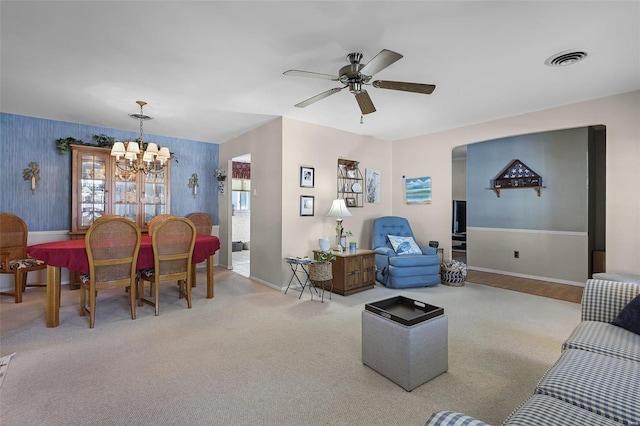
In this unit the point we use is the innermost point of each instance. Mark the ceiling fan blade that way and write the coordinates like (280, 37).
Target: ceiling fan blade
(365, 103)
(380, 62)
(427, 89)
(316, 98)
(310, 74)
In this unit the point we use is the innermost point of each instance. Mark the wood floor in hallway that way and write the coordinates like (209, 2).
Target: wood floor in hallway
(567, 292)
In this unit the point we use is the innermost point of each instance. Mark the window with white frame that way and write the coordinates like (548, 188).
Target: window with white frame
(241, 201)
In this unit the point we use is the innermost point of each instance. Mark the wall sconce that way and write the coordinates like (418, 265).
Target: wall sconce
(32, 173)
(193, 184)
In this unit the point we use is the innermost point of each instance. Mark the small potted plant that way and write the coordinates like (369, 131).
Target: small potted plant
(221, 175)
(321, 269)
(352, 244)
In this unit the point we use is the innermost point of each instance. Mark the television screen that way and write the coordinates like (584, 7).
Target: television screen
(459, 217)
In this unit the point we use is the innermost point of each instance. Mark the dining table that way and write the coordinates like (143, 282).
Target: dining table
(72, 255)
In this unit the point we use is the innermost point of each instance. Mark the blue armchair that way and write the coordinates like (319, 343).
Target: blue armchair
(402, 267)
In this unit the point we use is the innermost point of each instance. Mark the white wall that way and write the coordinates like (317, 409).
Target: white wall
(620, 114)
(278, 150)
(459, 179)
(265, 146)
(320, 147)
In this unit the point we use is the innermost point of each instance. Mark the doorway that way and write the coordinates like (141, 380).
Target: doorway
(241, 214)
(459, 196)
(595, 193)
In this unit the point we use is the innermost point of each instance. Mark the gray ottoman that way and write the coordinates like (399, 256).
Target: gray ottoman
(407, 355)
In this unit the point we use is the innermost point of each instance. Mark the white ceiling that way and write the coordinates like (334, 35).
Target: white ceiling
(213, 70)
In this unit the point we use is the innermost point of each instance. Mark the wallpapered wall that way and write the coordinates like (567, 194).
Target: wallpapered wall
(26, 139)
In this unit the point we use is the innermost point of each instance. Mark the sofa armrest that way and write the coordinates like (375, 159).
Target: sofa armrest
(428, 250)
(603, 300)
(451, 418)
(385, 251)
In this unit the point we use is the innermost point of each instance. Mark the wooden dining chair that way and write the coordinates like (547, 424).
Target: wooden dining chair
(172, 240)
(13, 255)
(204, 225)
(156, 220)
(112, 244)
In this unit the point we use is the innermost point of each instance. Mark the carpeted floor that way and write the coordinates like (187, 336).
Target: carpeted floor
(254, 356)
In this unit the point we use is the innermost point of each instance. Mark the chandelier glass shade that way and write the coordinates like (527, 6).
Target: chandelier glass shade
(148, 160)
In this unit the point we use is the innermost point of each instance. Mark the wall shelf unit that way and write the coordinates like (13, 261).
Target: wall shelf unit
(517, 175)
(350, 183)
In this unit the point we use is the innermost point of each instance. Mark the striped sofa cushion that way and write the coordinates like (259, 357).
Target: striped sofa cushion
(603, 300)
(549, 411)
(604, 339)
(599, 383)
(451, 418)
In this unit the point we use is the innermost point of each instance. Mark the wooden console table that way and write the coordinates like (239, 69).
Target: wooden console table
(353, 271)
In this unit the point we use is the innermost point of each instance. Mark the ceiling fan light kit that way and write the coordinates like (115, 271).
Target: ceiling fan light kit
(355, 76)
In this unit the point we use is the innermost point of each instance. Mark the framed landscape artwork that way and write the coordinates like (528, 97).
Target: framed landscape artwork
(418, 190)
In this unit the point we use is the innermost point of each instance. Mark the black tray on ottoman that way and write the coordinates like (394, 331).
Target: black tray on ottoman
(404, 310)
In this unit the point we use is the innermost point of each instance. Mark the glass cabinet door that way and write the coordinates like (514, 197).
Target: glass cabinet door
(154, 196)
(92, 187)
(125, 194)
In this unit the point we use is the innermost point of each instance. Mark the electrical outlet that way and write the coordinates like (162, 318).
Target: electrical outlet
(516, 254)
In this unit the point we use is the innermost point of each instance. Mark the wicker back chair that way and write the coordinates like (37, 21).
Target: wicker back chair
(112, 244)
(203, 224)
(172, 240)
(157, 220)
(13, 255)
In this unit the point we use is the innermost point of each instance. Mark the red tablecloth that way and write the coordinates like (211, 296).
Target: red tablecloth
(71, 254)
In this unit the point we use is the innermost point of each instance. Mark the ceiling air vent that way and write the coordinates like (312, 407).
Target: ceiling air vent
(567, 57)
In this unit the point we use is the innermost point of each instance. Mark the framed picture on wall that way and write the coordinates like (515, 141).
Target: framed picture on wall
(373, 177)
(418, 190)
(351, 202)
(306, 177)
(306, 205)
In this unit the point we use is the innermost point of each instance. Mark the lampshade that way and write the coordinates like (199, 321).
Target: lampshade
(338, 209)
(147, 157)
(152, 148)
(118, 149)
(163, 155)
(133, 147)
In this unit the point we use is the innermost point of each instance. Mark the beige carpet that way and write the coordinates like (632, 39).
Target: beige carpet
(254, 356)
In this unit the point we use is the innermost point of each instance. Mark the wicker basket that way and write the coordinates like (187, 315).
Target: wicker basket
(453, 274)
(320, 271)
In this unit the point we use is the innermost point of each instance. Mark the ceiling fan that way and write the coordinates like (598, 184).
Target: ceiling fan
(355, 76)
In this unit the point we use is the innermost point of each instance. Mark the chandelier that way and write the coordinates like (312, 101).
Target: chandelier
(150, 160)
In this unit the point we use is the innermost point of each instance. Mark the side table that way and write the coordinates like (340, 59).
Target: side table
(353, 271)
(298, 265)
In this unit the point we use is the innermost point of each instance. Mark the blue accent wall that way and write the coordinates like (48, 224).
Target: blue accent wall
(26, 139)
(560, 157)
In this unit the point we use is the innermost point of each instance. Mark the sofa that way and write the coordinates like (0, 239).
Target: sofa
(596, 379)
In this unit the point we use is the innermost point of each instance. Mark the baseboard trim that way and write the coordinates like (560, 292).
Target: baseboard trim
(268, 284)
(531, 277)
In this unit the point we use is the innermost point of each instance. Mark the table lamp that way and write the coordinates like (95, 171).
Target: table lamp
(338, 210)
